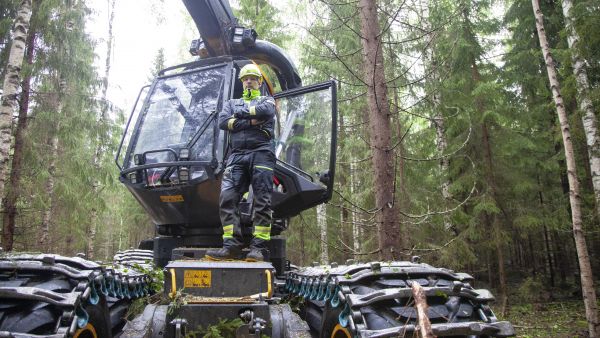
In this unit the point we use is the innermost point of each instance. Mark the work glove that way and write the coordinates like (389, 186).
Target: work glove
(241, 113)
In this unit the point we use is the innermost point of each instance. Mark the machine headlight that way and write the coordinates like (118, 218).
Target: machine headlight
(184, 174)
(139, 159)
(184, 154)
(198, 48)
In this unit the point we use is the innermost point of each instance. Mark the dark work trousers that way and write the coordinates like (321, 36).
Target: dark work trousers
(243, 169)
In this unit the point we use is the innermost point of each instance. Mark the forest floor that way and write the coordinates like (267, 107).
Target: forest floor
(560, 319)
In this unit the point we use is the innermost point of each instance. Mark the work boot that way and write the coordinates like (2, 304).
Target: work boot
(222, 254)
(255, 255)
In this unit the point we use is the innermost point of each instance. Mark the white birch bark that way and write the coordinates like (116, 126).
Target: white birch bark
(590, 123)
(437, 119)
(356, 229)
(10, 89)
(322, 223)
(587, 281)
(44, 240)
(56, 103)
(91, 236)
(120, 235)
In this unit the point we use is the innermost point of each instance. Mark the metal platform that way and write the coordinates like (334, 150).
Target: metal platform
(220, 279)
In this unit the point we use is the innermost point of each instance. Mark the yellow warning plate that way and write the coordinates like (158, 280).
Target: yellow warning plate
(171, 198)
(196, 278)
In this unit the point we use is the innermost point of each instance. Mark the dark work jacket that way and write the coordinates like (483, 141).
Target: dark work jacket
(235, 118)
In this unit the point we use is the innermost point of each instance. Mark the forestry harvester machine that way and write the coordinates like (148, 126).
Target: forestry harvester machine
(172, 159)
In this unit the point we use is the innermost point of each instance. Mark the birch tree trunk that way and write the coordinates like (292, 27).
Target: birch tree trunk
(44, 239)
(389, 228)
(322, 223)
(9, 100)
(356, 233)
(587, 281)
(91, 236)
(590, 123)
(13, 190)
(437, 119)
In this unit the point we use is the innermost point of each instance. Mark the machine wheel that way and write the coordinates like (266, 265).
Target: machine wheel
(34, 316)
(376, 299)
(340, 332)
(117, 312)
(99, 322)
(146, 244)
(89, 331)
(52, 295)
(330, 327)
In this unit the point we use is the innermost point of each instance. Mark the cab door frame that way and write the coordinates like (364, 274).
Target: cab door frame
(302, 178)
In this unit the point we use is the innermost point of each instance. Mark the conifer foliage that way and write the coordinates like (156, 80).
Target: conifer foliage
(61, 147)
(449, 145)
(480, 176)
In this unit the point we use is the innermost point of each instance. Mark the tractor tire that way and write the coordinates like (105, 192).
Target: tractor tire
(330, 327)
(376, 300)
(99, 323)
(117, 310)
(130, 261)
(146, 244)
(52, 295)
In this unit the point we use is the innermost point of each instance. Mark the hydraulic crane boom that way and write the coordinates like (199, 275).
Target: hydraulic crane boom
(222, 35)
(214, 20)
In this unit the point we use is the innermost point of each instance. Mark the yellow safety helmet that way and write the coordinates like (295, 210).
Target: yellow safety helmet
(250, 69)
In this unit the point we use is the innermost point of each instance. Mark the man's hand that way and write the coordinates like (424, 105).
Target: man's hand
(255, 122)
(241, 113)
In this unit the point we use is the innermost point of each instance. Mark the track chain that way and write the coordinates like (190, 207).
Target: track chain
(376, 300)
(46, 295)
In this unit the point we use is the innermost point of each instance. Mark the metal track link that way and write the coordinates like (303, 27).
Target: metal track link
(45, 295)
(376, 299)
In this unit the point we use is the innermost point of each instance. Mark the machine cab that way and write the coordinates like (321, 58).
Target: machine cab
(172, 153)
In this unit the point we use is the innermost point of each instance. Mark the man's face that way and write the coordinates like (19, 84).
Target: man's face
(251, 82)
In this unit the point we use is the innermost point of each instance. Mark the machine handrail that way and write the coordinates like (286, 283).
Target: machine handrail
(127, 127)
(167, 164)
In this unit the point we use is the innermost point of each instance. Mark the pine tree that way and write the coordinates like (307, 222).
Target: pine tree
(264, 18)
(158, 64)
(389, 228)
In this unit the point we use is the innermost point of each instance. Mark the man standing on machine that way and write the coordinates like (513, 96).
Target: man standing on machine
(250, 123)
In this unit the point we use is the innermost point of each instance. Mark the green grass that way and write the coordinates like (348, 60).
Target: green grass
(564, 319)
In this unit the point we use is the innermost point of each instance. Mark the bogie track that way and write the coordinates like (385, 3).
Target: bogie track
(376, 300)
(55, 296)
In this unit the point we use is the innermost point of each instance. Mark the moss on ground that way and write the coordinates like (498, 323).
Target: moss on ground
(564, 319)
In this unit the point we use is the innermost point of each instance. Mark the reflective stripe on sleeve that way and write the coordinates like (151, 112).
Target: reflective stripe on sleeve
(230, 123)
(252, 110)
(262, 167)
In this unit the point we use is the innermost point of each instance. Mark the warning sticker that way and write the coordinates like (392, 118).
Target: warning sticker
(196, 279)
(171, 198)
